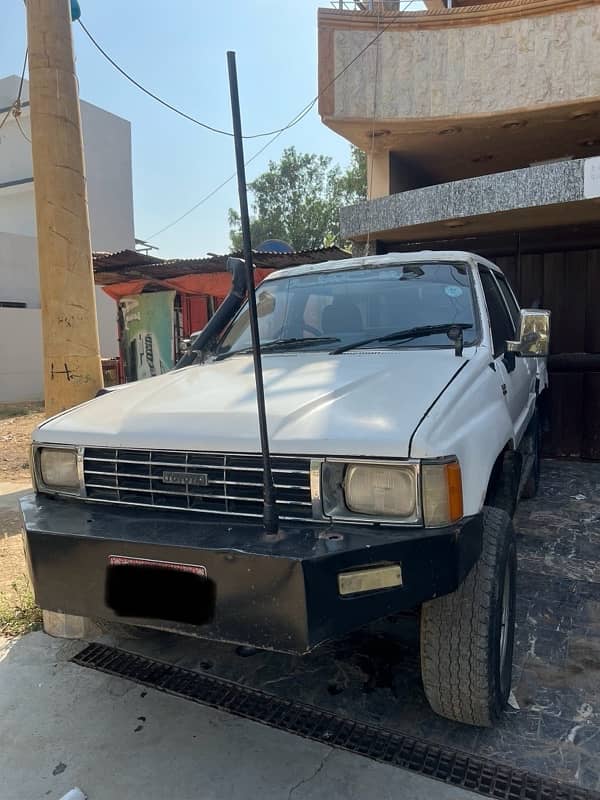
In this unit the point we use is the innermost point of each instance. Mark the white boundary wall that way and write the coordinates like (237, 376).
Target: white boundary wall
(20, 355)
(107, 142)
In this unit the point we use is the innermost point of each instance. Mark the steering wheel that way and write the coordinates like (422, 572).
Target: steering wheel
(311, 329)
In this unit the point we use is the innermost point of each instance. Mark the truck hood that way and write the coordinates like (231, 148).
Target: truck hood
(357, 403)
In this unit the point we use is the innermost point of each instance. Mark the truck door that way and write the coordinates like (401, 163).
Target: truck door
(516, 376)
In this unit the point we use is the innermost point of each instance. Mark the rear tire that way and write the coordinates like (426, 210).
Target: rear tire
(467, 637)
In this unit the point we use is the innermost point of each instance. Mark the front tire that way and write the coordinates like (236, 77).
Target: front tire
(467, 637)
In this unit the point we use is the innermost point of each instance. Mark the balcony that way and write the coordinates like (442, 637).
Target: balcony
(452, 93)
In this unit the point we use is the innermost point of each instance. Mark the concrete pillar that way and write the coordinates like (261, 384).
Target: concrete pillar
(378, 175)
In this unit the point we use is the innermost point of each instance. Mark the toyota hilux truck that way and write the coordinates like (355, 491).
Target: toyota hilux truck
(402, 398)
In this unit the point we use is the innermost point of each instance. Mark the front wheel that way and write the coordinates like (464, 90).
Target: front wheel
(467, 637)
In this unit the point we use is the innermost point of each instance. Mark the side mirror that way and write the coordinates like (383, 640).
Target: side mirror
(534, 334)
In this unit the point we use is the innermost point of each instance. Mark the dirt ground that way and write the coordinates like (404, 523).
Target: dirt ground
(16, 425)
(12, 566)
(18, 613)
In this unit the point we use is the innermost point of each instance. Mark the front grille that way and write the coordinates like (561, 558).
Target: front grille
(210, 483)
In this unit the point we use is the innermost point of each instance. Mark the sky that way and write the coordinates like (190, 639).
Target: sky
(177, 49)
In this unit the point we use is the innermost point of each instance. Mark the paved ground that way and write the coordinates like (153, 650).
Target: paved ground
(373, 675)
(63, 726)
(117, 740)
(16, 425)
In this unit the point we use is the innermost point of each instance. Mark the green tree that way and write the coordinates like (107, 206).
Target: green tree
(298, 198)
(353, 182)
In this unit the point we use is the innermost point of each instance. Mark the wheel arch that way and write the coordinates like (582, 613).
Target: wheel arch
(503, 480)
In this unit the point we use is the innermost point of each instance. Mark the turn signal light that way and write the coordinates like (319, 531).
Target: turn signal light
(442, 493)
(455, 497)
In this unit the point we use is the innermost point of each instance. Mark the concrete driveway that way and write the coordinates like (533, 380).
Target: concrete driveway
(63, 726)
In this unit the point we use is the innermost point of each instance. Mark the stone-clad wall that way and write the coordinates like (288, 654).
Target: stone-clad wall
(518, 63)
(531, 188)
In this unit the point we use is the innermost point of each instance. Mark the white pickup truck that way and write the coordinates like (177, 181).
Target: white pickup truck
(401, 394)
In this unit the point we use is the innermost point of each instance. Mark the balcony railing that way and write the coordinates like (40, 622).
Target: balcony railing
(383, 5)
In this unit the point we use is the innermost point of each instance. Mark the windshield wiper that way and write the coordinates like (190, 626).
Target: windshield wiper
(407, 333)
(283, 344)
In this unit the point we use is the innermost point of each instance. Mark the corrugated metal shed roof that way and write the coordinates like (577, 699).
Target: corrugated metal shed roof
(124, 258)
(128, 265)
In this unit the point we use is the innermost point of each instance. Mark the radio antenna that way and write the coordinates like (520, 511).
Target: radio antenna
(270, 515)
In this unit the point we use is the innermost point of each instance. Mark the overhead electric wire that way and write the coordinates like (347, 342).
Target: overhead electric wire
(22, 75)
(166, 104)
(16, 116)
(220, 131)
(16, 106)
(294, 121)
(221, 185)
(371, 165)
(6, 116)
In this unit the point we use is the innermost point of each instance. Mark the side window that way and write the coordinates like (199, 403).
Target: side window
(500, 321)
(510, 299)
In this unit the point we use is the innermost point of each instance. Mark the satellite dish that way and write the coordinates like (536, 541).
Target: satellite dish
(274, 246)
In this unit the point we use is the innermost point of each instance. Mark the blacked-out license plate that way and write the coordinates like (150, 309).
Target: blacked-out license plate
(159, 590)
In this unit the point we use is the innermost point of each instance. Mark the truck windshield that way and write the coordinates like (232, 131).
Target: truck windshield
(349, 306)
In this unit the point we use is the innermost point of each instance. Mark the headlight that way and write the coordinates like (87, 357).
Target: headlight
(407, 493)
(381, 491)
(377, 491)
(442, 493)
(58, 468)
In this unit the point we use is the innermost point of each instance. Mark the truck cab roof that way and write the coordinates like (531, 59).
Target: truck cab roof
(389, 259)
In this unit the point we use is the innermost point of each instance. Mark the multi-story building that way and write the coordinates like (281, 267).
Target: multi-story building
(107, 145)
(481, 124)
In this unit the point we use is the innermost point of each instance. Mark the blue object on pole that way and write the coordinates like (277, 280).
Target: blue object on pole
(75, 11)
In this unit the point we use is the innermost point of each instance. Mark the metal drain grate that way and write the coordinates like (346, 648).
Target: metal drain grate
(454, 767)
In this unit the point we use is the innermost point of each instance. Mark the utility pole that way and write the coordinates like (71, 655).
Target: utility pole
(72, 367)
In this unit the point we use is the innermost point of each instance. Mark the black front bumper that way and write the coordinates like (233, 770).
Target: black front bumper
(279, 593)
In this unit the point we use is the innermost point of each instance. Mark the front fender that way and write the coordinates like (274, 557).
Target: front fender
(471, 421)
